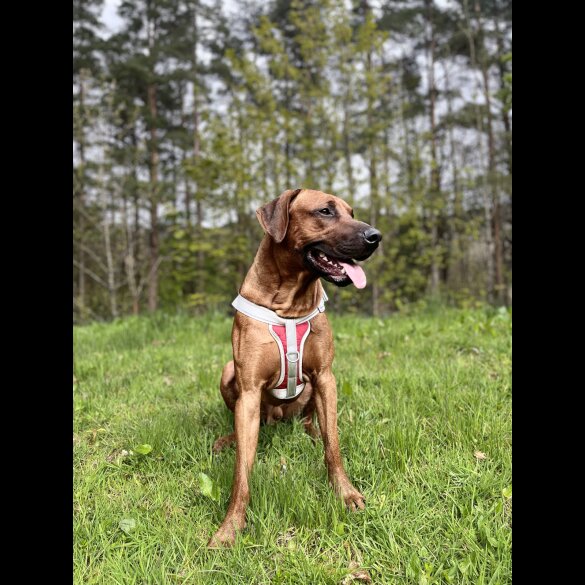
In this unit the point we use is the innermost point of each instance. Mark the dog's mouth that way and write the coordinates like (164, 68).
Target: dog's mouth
(339, 271)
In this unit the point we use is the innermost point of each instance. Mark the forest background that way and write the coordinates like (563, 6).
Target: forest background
(190, 114)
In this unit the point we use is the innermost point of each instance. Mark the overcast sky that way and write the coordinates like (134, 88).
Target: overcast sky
(113, 22)
(109, 16)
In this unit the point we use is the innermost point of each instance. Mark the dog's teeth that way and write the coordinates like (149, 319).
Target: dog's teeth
(321, 255)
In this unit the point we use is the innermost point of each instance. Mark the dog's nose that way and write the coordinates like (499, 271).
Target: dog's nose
(372, 236)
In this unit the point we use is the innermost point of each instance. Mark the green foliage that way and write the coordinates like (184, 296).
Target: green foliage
(144, 449)
(505, 94)
(310, 94)
(127, 525)
(208, 487)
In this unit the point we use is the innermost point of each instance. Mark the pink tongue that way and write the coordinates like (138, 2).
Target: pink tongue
(356, 273)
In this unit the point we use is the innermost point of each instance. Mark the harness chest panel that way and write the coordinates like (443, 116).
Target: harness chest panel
(290, 335)
(279, 334)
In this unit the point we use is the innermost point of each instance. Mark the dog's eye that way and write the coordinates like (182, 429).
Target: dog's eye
(325, 211)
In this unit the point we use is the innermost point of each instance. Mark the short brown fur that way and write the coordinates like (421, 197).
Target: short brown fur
(280, 280)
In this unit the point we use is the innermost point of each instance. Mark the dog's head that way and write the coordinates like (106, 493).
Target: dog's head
(321, 229)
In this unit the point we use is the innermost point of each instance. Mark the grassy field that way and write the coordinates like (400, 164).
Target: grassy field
(425, 431)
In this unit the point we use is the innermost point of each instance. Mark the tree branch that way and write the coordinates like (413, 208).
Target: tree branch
(92, 274)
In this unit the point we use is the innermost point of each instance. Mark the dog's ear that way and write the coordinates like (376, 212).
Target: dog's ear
(273, 216)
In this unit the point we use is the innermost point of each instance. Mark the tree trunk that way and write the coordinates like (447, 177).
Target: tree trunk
(199, 284)
(487, 207)
(386, 167)
(372, 168)
(496, 220)
(130, 259)
(347, 147)
(407, 151)
(456, 223)
(108, 247)
(135, 233)
(81, 294)
(287, 138)
(435, 178)
(308, 150)
(505, 112)
(187, 197)
(506, 296)
(154, 235)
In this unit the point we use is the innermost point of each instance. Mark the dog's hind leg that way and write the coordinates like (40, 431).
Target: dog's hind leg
(228, 386)
(229, 392)
(308, 415)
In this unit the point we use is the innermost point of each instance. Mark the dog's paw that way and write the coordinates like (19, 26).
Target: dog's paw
(354, 500)
(345, 490)
(226, 534)
(223, 538)
(223, 442)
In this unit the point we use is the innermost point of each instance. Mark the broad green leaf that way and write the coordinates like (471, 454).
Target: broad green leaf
(346, 389)
(143, 449)
(127, 525)
(208, 487)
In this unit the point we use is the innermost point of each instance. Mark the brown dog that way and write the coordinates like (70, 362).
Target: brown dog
(309, 234)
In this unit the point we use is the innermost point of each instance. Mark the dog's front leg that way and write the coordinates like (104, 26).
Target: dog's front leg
(326, 405)
(247, 425)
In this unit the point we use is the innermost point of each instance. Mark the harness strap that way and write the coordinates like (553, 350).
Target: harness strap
(292, 357)
(265, 315)
(292, 351)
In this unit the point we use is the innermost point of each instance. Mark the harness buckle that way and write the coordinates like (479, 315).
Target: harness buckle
(295, 353)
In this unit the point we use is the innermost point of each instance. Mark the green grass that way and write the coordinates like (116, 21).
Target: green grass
(418, 396)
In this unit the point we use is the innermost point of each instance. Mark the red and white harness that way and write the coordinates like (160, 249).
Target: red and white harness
(290, 336)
